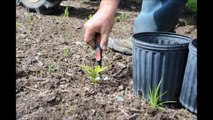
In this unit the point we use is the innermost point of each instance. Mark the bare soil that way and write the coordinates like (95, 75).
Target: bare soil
(51, 85)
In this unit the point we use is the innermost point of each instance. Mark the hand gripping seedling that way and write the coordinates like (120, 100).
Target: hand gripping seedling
(98, 49)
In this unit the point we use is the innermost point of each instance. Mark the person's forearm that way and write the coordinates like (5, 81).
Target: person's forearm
(110, 6)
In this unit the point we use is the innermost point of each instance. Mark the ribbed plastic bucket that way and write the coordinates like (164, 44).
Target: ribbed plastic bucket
(159, 56)
(188, 96)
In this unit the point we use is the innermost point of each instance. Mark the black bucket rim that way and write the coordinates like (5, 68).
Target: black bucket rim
(193, 47)
(158, 46)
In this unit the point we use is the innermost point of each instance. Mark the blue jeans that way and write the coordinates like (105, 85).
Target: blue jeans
(158, 15)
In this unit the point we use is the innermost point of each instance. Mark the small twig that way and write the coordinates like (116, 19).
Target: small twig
(174, 114)
(132, 116)
(124, 112)
(64, 91)
(32, 88)
(135, 110)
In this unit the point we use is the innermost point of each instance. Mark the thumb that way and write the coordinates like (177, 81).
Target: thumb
(104, 41)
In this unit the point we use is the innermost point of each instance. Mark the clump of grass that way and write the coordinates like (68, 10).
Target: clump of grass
(154, 97)
(93, 73)
(192, 5)
(66, 51)
(121, 17)
(66, 11)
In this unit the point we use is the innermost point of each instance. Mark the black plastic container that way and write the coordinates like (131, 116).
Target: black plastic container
(159, 56)
(188, 96)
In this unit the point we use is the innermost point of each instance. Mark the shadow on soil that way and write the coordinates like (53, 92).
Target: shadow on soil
(83, 13)
(187, 16)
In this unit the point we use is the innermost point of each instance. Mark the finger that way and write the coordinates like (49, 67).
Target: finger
(104, 41)
(89, 38)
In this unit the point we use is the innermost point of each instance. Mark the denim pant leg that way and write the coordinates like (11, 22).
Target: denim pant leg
(158, 15)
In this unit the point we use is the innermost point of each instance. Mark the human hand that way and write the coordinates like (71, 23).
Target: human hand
(101, 22)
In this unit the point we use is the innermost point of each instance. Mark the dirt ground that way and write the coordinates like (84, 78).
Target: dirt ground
(51, 86)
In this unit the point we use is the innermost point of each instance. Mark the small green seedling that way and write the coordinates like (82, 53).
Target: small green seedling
(66, 51)
(154, 97)
(17, 25)
(122, 17)
(93, 73)
(192, 5)
(66, 11)
(49, 68)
